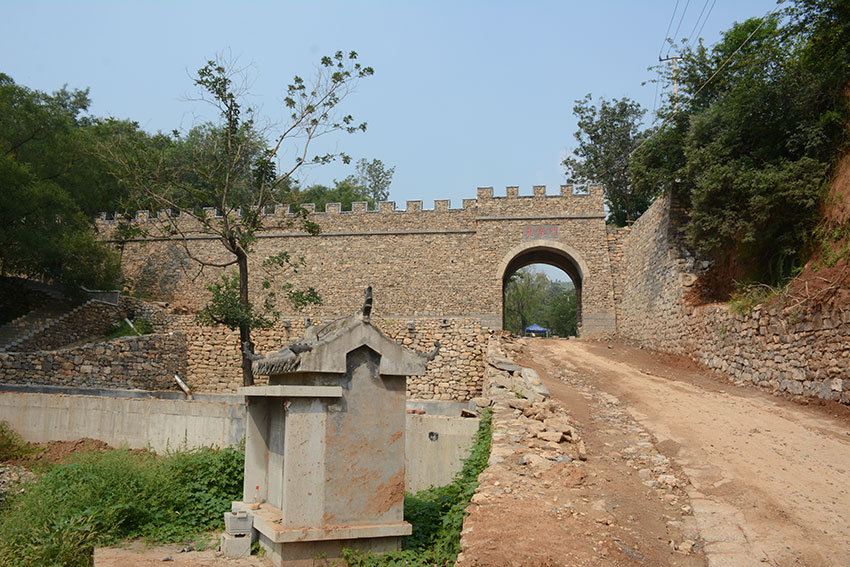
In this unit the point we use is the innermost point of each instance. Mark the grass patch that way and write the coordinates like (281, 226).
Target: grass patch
(745, 297)
(122, 329)
(831, 244)
(103, 498)
(436, 514)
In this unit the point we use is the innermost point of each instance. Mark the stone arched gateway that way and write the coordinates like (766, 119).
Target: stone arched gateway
(559, 255)
(439, 263)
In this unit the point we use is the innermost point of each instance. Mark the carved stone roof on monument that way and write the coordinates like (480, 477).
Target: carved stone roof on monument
(324, 349)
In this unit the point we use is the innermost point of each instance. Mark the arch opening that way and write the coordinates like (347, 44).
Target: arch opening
(522, 274)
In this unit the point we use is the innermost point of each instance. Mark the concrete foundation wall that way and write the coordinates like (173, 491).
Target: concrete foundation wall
(161, 423)
(435, 446)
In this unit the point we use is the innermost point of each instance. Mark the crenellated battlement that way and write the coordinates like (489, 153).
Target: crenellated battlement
(578, 198)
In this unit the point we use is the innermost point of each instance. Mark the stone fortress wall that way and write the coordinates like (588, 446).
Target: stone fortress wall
(441, 262)
(438, 275)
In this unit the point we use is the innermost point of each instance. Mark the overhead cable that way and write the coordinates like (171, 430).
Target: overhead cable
(690, 38)
(676, 33)
(667, 33)
(722, 66)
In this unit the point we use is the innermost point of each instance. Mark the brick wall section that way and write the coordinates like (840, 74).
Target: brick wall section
(91, 318)
(148, 362)
(421, 263)
(799, 351)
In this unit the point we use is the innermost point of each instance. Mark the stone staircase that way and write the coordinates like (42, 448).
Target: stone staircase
(54, 306)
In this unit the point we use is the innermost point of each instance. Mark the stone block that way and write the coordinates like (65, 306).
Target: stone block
(238, 523)
(234, 547)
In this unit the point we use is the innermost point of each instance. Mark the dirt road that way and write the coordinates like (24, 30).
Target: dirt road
(767, 479)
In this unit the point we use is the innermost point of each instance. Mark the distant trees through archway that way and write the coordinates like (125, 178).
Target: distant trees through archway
(541, 294)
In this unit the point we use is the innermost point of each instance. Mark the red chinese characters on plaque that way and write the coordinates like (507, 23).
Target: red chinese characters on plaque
(536, 231)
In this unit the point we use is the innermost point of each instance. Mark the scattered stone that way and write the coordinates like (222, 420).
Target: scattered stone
(582, 451)
(552, 436)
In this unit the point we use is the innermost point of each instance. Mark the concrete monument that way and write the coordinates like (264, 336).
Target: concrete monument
(324, 449)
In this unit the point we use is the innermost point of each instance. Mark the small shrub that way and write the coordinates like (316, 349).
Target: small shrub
(122, 329)
(12, 445)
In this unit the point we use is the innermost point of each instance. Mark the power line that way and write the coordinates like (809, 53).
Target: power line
(764, 19)
(701, 12)
(706, 18)
(681, 19)
(669, 25)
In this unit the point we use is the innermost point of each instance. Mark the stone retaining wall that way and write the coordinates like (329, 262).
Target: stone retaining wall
(800, 351)
(213, 357)
(146, 362)
(803, 353)
(208, 358)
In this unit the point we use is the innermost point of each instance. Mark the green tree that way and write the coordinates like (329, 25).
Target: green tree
(369, 185)
(51, 186)
(531, 297)
(344, 192)
(524, 295)
(233, 167)
(374, 178)
(757, 128)
(560, 311)
(606, 136)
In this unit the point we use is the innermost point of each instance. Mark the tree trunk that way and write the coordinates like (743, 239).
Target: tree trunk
(244, 328)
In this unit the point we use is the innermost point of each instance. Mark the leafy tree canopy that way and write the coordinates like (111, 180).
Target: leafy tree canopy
(370, 185)
(760, 119)
(531, 297)
(374, 178)
(606, 136)
(51, 185)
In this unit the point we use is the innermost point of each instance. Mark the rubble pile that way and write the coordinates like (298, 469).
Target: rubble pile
(11, 477)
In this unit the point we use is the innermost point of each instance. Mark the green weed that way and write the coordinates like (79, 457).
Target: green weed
(122, 329)
(12, 445)
(103, 498)
(834, 244)
(746, 296)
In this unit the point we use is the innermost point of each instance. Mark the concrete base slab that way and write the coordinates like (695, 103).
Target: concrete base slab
(322, 553)
(234, 547)
(267, 518)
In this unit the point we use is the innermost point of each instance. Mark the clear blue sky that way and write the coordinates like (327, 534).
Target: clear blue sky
(465, 93)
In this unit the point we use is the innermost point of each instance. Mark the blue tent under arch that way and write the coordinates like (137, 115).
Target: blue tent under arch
(535, 328)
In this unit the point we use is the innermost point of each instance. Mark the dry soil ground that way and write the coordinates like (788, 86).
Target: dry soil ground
(757, 479)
